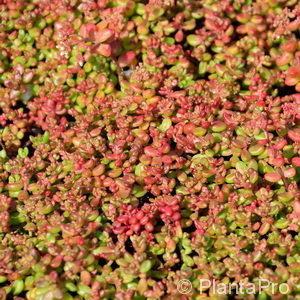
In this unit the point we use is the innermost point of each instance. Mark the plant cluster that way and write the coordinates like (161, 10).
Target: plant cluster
(145, 142)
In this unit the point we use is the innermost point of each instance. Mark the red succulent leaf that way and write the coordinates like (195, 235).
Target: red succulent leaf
(105, 50)
(88, 30)
(127, 59)
(103, 35)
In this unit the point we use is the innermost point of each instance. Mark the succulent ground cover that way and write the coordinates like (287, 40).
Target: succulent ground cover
(146, 142)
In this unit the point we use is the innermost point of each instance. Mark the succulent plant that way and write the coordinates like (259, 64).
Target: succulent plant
(143, 143)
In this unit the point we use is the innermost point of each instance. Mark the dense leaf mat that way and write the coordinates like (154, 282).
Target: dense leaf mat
(147, 142)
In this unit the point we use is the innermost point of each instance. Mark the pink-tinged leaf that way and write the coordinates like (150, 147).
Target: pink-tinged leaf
(151, 151)
(272, 177)
(280, 144)
(284, 59)
(296, 161)
(88, 30)
(290, 81)
(103, 35)
(294, 134)
(104, 49)
(292, 26)
(294, 72)
(296, 207)
(127, 59)
(210, 24)
(289, 173)
(179, 36)
(289, 46)
(297, 97)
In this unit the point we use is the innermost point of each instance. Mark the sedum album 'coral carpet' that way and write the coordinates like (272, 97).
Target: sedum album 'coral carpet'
(149, 149)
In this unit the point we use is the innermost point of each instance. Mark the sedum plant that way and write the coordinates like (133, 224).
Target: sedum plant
(147, 142)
